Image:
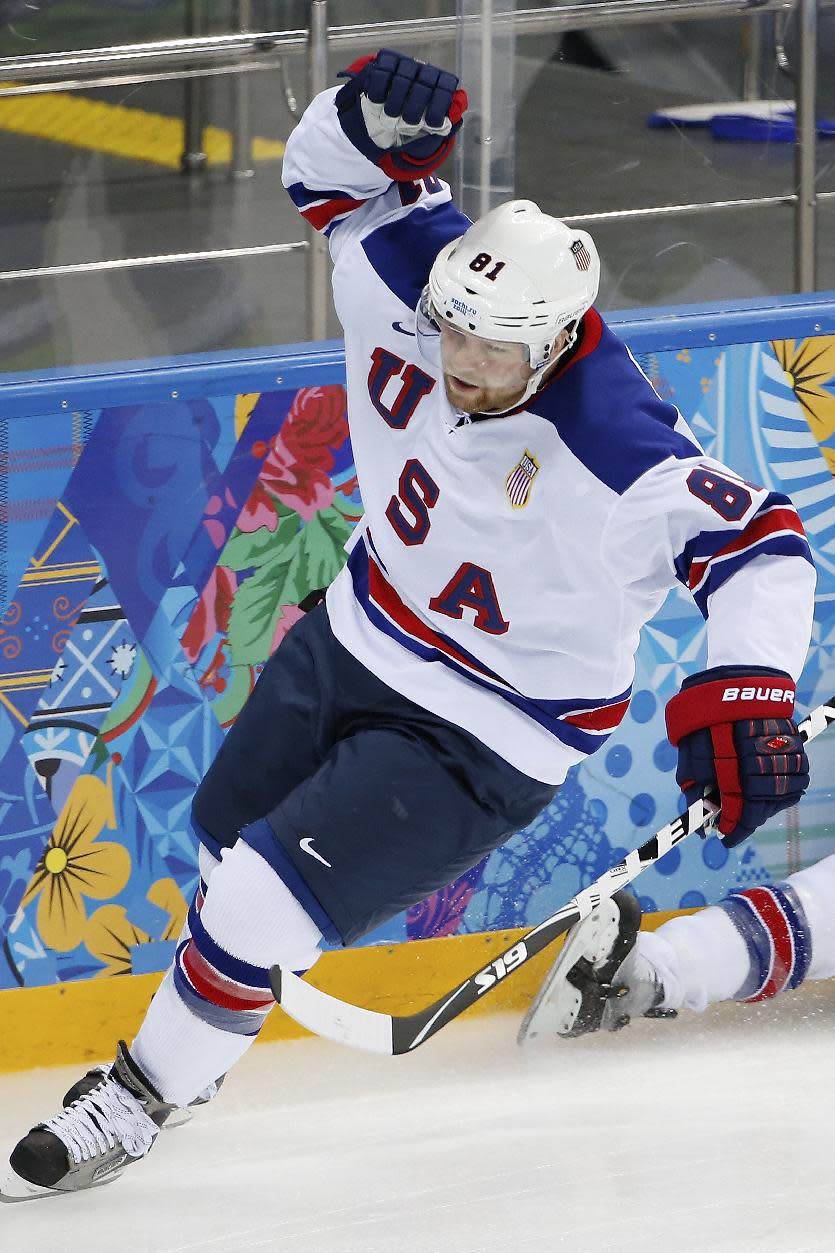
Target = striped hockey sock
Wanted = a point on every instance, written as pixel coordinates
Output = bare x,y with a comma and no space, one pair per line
773,924
215,997
222,990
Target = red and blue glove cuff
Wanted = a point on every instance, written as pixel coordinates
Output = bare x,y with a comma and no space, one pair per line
422,156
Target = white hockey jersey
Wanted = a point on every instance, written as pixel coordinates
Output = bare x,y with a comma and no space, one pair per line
505,566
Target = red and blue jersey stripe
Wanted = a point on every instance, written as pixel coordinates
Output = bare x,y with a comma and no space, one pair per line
581,723
323,209
712,557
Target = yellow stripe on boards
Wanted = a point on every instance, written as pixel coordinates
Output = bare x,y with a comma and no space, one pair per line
49,575
80,1022
116,130
26,684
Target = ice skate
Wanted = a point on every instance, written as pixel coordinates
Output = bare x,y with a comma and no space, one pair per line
598,980
92,1140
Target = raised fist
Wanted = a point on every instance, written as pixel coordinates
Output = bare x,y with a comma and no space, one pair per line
401,113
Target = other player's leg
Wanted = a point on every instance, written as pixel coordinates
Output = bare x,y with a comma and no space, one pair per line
754,944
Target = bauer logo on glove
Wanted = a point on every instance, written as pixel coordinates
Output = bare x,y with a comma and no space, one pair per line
759,693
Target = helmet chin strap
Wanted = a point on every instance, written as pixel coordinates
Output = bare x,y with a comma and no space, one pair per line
535,381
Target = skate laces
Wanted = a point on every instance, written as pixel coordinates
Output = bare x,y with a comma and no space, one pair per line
106,1116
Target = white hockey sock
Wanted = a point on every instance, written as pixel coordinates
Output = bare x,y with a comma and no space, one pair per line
213,1001
815,887
178,1052
699,958
206,863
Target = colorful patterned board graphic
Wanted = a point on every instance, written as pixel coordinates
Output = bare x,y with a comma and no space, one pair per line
151,558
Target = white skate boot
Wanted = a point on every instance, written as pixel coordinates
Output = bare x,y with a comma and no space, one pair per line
90,1141
598,980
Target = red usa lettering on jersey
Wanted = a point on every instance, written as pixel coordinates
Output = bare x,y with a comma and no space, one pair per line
759,693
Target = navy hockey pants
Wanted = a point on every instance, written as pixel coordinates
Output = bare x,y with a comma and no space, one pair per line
363,802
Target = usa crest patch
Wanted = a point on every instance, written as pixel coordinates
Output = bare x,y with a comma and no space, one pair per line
520,480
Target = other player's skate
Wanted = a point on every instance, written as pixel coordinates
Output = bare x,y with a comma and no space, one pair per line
598,980
90,1141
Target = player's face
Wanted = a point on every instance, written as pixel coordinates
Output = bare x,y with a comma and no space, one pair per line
482,374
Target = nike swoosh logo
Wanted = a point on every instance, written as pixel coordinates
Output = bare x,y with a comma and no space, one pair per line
395,326
306,845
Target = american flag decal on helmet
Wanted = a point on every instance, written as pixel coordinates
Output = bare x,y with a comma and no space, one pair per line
518,483
582,256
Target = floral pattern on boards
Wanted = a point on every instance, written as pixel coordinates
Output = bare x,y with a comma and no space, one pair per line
441,913
190,556
112,938
77,865
280,499
297,466
288,539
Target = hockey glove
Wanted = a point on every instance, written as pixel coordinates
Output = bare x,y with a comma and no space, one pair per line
735,733
400,113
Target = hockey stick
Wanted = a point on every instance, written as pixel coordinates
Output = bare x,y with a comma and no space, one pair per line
338,1020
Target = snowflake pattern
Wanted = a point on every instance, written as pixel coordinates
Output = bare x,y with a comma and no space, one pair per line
121,659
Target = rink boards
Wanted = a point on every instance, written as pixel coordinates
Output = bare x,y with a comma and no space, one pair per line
162,521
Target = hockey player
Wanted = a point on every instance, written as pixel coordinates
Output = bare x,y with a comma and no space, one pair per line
754,944
529,501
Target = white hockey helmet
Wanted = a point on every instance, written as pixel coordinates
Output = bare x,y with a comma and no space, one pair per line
517,275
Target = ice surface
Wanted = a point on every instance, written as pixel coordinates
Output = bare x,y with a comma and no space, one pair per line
714,1132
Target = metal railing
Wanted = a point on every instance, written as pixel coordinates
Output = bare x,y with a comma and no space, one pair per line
249,51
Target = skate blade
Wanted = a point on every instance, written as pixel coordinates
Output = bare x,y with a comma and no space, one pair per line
14,1188
556,1010
537,1018
178,1119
